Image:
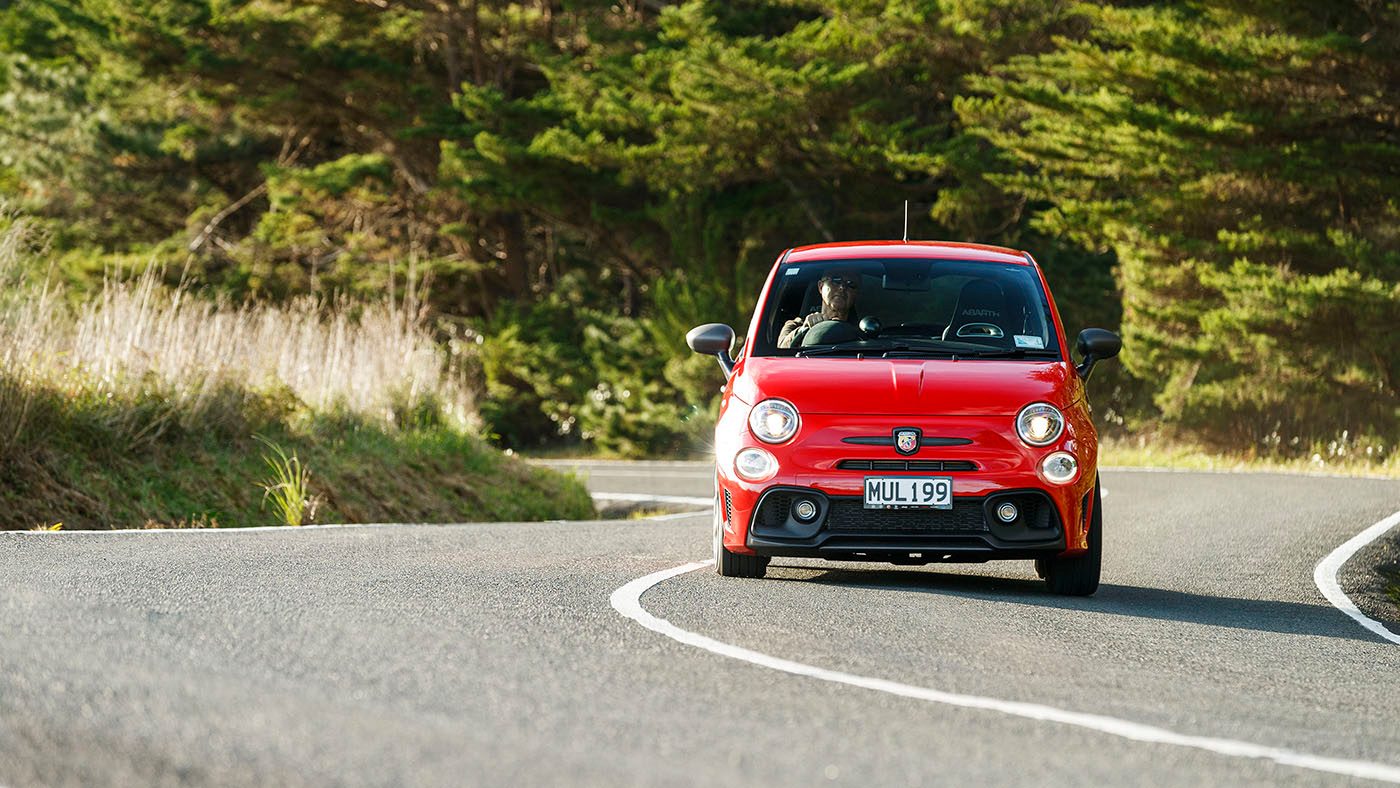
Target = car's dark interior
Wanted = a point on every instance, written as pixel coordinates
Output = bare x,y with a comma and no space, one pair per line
968,304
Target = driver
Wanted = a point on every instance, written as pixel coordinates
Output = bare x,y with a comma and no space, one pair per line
838,290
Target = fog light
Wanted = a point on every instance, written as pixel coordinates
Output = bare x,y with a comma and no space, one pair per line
1060,467
805,510
1007,512
755,464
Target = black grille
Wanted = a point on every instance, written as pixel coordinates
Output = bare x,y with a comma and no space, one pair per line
849,516
774,511
906,465
728,508
1036,509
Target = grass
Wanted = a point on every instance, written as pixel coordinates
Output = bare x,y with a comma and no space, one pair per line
360,471
138,406
1337,457
287,489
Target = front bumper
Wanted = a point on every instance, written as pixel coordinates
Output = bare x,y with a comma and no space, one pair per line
830,459
844,530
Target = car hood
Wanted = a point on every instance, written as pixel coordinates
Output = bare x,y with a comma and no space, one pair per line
898,387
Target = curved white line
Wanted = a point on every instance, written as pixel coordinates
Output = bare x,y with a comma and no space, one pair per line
233,529
252,529
686,500
627,600
1325,576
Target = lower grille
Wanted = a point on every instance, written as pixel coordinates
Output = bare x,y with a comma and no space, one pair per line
1036,510
906,465
774,511
1037,517
728,508
849,516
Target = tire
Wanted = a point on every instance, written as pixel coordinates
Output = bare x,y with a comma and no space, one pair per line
1078,575
734,564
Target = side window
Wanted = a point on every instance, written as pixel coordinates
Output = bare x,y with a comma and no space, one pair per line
792,294
1030,318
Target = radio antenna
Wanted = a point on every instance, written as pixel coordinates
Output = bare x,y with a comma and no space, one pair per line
906,221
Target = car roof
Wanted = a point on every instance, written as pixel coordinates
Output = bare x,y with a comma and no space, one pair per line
946,250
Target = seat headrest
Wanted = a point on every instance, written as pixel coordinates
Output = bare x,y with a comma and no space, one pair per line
980,301
980,313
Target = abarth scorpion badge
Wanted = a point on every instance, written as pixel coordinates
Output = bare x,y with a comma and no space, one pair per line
906,441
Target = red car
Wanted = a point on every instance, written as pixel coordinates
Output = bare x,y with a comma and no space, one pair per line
907,402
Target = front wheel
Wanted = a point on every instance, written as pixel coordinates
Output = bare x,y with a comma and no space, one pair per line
1078,575
734,564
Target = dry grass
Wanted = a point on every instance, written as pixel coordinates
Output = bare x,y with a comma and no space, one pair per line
203,361
138,403
1336,458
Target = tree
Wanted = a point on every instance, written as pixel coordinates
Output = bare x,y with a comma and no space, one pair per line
285,145
1241,159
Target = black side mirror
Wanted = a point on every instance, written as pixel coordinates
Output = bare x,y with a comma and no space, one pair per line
1095,345
713,339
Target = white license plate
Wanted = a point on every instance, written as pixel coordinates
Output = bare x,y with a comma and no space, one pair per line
908,492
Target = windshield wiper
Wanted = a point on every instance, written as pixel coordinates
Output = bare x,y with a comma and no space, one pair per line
850,349
916,349
907,352
1019,352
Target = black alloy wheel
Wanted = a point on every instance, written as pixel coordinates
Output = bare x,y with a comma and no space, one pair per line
734,564
1078,575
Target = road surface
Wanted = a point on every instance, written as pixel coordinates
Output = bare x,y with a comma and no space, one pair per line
493,653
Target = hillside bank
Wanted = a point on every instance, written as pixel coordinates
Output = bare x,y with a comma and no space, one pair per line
141,405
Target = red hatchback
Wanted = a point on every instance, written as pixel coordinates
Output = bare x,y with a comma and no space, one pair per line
910,403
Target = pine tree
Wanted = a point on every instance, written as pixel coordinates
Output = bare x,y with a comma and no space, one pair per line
1242,160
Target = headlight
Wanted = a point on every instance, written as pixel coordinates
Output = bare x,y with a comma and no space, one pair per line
755,464
1060,467
1040,424
773,421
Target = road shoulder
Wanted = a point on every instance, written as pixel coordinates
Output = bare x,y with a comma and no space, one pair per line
1369,574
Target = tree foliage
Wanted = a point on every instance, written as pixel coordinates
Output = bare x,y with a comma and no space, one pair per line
581,181
1242,161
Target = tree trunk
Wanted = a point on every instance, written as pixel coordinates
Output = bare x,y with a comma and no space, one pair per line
516,265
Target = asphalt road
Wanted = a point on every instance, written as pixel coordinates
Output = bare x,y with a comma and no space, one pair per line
489,654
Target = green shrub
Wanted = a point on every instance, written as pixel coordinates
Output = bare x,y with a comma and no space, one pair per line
561,374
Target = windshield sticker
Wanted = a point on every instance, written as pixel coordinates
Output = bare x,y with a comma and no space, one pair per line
791,272
1023,340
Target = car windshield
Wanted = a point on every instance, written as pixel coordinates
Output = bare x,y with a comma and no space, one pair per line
907,308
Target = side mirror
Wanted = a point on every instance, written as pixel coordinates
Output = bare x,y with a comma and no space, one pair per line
713,339
1095,345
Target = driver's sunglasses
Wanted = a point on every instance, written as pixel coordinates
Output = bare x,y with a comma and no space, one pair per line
841,281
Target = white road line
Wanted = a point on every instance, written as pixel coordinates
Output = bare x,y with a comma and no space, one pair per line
704,473
1325,576
697,464
228,530
335,526
688,500
675,516
627,600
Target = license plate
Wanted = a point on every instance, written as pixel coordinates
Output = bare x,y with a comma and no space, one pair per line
908,492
